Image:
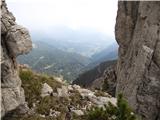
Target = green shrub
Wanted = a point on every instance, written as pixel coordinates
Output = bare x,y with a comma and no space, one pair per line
105,85
31,85
124,112
97,114
110,112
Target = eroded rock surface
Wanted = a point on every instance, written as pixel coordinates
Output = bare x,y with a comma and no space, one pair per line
108,81
138,69
15,40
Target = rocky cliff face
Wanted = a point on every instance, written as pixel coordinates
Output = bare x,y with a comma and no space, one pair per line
107,82
138,69
15,40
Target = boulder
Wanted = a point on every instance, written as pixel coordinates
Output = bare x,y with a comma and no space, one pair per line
70,88
100,101
46,90
18,40
78,112
63,92
76,86
85,92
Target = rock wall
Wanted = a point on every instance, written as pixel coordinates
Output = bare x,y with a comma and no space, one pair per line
107,82
137,32
15,40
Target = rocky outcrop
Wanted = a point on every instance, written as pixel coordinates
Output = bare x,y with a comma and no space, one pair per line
107,82
138,69
46,90
15,40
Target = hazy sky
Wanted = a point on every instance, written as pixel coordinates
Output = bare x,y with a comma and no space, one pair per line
76,14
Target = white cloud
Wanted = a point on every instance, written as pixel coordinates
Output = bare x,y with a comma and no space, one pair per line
98,14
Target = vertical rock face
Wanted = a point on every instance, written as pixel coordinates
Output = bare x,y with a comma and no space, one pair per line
138,69
15,40
107,82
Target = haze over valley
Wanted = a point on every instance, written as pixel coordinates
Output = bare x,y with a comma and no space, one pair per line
80,60
67,58
70,38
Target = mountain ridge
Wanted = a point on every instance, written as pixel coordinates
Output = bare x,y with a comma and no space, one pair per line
87,78
48,59
85,42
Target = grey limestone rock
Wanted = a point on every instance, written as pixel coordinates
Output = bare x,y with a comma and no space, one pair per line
46,90
138,69
15,40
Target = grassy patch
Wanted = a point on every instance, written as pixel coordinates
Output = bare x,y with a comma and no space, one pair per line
32,84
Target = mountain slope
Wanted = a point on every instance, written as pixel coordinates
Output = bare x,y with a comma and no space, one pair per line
51,98
107,54
48,59
87,78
